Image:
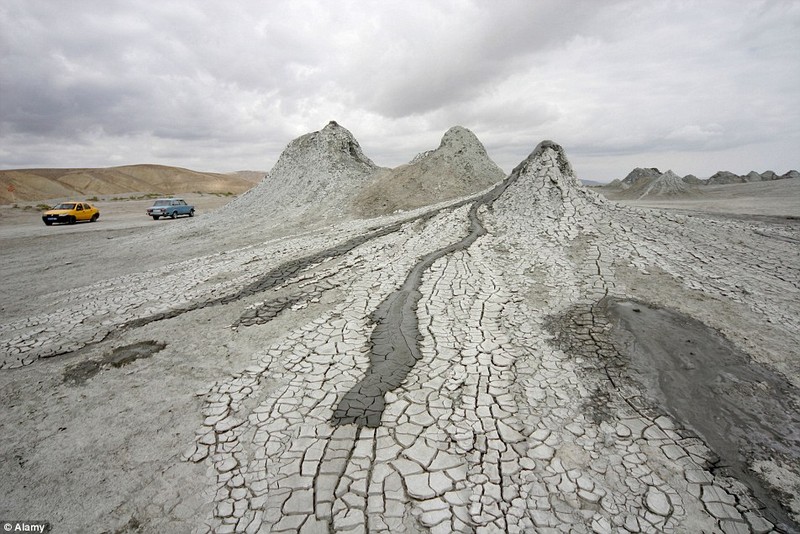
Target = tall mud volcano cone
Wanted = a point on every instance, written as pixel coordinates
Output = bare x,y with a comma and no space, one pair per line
544,191
314,179
459,167
544,179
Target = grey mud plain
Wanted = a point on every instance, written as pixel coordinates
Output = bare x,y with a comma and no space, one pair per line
575,366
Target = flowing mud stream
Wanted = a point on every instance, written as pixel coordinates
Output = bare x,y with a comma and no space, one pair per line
743,411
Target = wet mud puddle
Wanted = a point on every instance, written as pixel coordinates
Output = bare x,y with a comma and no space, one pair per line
742,410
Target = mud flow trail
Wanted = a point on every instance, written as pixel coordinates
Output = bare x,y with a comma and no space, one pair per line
743,411
394,342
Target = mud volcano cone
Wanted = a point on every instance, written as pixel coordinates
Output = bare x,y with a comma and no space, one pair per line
667,184
544,185
459,167
315,177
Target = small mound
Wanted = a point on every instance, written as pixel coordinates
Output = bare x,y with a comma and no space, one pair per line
724,177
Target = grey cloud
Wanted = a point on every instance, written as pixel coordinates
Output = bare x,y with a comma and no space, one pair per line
429,60
109,79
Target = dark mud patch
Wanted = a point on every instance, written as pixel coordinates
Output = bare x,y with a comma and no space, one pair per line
744,411
79,373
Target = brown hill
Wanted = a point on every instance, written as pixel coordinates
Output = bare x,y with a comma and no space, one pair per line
25,185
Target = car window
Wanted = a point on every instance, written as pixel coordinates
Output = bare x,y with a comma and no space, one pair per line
181,203
87,207
65,206
79,208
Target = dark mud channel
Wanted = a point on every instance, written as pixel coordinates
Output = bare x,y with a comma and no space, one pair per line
743,411
394,343
395,340
79,373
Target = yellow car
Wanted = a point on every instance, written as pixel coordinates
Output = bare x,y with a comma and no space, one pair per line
70,213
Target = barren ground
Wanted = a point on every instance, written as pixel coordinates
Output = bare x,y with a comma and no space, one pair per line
159,381
774,198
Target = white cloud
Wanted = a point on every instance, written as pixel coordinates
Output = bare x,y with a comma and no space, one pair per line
224,86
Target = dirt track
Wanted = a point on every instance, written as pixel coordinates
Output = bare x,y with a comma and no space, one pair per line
83,253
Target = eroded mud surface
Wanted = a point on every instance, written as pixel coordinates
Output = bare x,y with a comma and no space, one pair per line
521,412
743,411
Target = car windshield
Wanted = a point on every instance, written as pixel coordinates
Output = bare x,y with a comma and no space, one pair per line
65,206
161,203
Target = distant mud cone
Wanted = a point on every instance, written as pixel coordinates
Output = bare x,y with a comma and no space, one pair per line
667,184
639,175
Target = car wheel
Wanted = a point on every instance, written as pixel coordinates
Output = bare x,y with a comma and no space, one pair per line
72,220
172,215
94,217
155,217
191,213
49,223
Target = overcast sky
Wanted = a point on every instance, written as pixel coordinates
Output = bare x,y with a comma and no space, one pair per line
222,86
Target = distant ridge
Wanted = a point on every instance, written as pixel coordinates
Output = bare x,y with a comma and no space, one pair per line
726,177
639,178
25,185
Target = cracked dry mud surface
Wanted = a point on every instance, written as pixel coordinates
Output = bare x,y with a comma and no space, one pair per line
527,407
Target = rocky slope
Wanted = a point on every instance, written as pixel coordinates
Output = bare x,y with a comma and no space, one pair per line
460,166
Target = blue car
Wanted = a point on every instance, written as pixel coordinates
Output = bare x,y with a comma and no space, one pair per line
170,207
